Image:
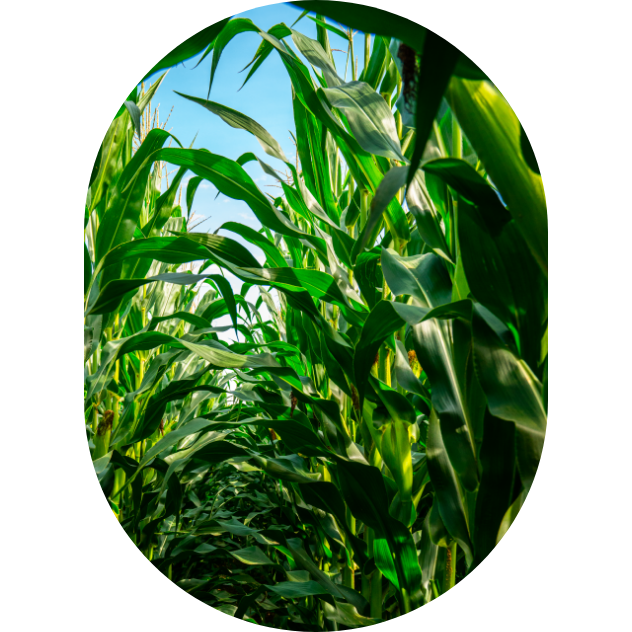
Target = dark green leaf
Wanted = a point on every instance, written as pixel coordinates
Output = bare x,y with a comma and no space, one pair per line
438,61
87,269
513,393
448,492
249,234
498,457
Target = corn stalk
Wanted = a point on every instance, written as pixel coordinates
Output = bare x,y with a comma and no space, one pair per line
365,430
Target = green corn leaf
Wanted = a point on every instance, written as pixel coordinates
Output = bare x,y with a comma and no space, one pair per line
284,469
135,114
429,560
368,20
448,493
231,180
228,249
110,297
87,269
438,62
315,55
346,614
399,408
230,29
192,187
372,509
427,218
369,276
494,131
164,249
164,206
294,590
395,450
169,440
252,555
194,320
473,188
504,277
371,121
109,161
442,348
378,63
498,463
381,323
438,532
320,285
527,152
93,176
326,497
423,277
513,393
265,48
190,47
325,25
241,121
298,437
123,213
392,182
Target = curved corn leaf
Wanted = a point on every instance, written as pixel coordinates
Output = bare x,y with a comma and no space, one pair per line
241,121
230,29
438,61
494,131
371,121
189,48
513,393
448,493
442,347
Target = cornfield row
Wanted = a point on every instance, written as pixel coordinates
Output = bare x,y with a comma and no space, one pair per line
366,429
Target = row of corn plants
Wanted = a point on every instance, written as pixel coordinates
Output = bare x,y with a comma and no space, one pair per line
369,436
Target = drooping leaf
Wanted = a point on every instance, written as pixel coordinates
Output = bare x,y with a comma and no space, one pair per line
252,555
494,495
513,393
257,239
442,348
503,276
230,29
241,121
189,48
438,62
123,213
448,493
494,131
371,121
371,507
427,218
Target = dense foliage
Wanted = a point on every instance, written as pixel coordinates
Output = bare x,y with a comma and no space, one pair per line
366,439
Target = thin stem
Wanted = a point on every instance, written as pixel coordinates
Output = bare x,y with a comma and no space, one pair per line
375,600
457,139
450,567
364,208
353,59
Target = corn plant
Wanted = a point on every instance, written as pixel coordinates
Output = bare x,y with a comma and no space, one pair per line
366,429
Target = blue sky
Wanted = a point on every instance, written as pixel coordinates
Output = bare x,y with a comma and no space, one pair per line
267,98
